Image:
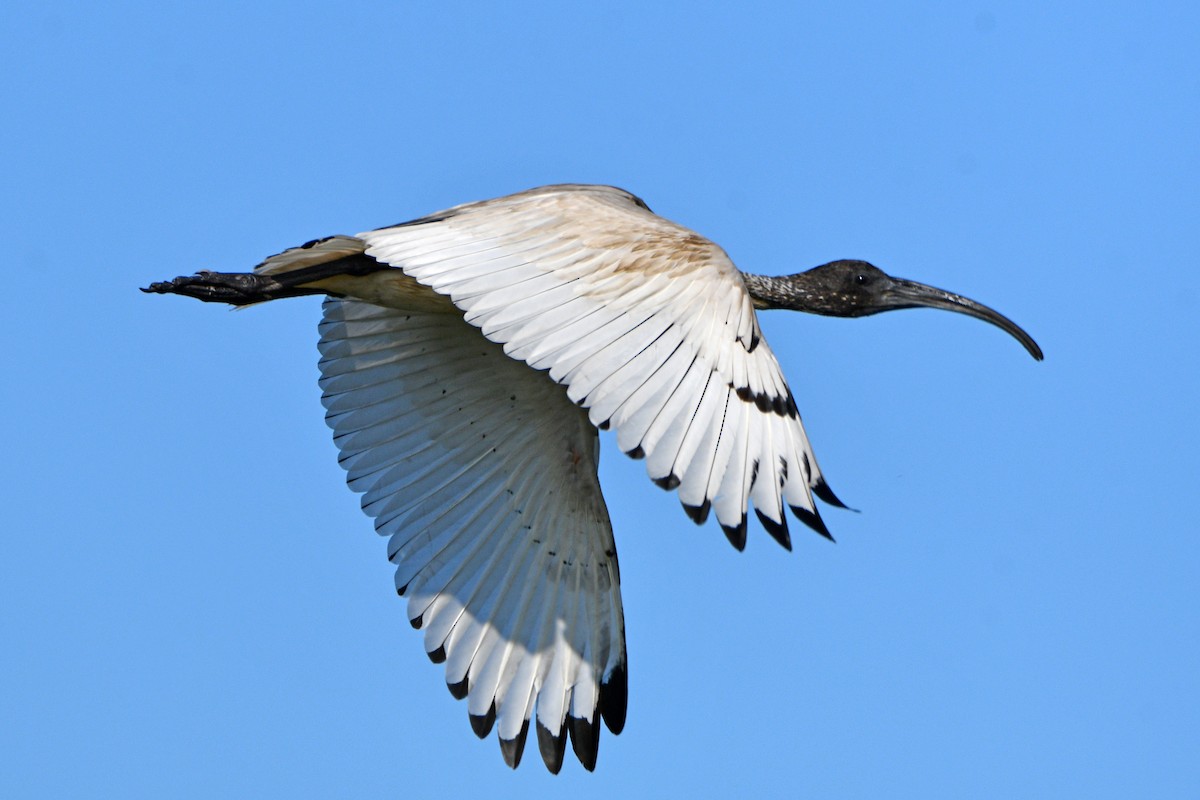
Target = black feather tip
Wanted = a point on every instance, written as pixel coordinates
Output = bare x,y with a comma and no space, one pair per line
552,746
813,520
482,724
512,749
736,534
778,530
823,491
614,698
669,483
585,740
698,514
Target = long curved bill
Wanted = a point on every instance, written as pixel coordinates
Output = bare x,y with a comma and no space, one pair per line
910,294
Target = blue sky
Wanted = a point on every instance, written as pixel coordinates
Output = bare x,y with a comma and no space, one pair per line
191,601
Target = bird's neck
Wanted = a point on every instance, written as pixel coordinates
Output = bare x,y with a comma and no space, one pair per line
793,292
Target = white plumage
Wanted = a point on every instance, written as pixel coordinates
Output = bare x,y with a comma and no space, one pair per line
483,476
482,471
468,358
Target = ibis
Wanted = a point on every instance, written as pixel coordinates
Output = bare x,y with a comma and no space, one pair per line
468,359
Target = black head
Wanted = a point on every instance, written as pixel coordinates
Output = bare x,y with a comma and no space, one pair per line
851,288
847,288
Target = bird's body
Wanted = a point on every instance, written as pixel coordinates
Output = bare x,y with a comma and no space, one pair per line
468,358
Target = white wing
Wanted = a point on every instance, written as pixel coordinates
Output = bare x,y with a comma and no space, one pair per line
483,475
647,324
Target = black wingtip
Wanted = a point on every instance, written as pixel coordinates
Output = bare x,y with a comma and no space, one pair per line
823,491
585,741
637,453
698,514
669,483
459,690
736,534
552,746
813,520
438,656
778,530
614,698
417,621
482,723
512,749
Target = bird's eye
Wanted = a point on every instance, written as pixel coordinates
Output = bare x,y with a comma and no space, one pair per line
861,278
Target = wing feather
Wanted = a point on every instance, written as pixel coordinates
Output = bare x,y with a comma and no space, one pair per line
481,472
482,475
648,326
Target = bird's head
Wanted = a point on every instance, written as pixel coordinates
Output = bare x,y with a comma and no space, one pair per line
852,288
847,288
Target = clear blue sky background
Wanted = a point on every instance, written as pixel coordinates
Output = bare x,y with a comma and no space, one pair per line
191,602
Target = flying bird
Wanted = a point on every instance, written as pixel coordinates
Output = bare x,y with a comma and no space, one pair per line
468,359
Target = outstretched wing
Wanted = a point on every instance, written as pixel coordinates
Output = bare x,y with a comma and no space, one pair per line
483,475
647,324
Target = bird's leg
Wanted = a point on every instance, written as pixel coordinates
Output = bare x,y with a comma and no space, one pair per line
244,288
235,288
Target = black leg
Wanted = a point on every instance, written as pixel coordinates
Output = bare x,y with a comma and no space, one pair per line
235,288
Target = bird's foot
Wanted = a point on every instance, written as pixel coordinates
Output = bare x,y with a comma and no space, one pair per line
235,288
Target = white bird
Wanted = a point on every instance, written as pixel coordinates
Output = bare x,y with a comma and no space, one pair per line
468,358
